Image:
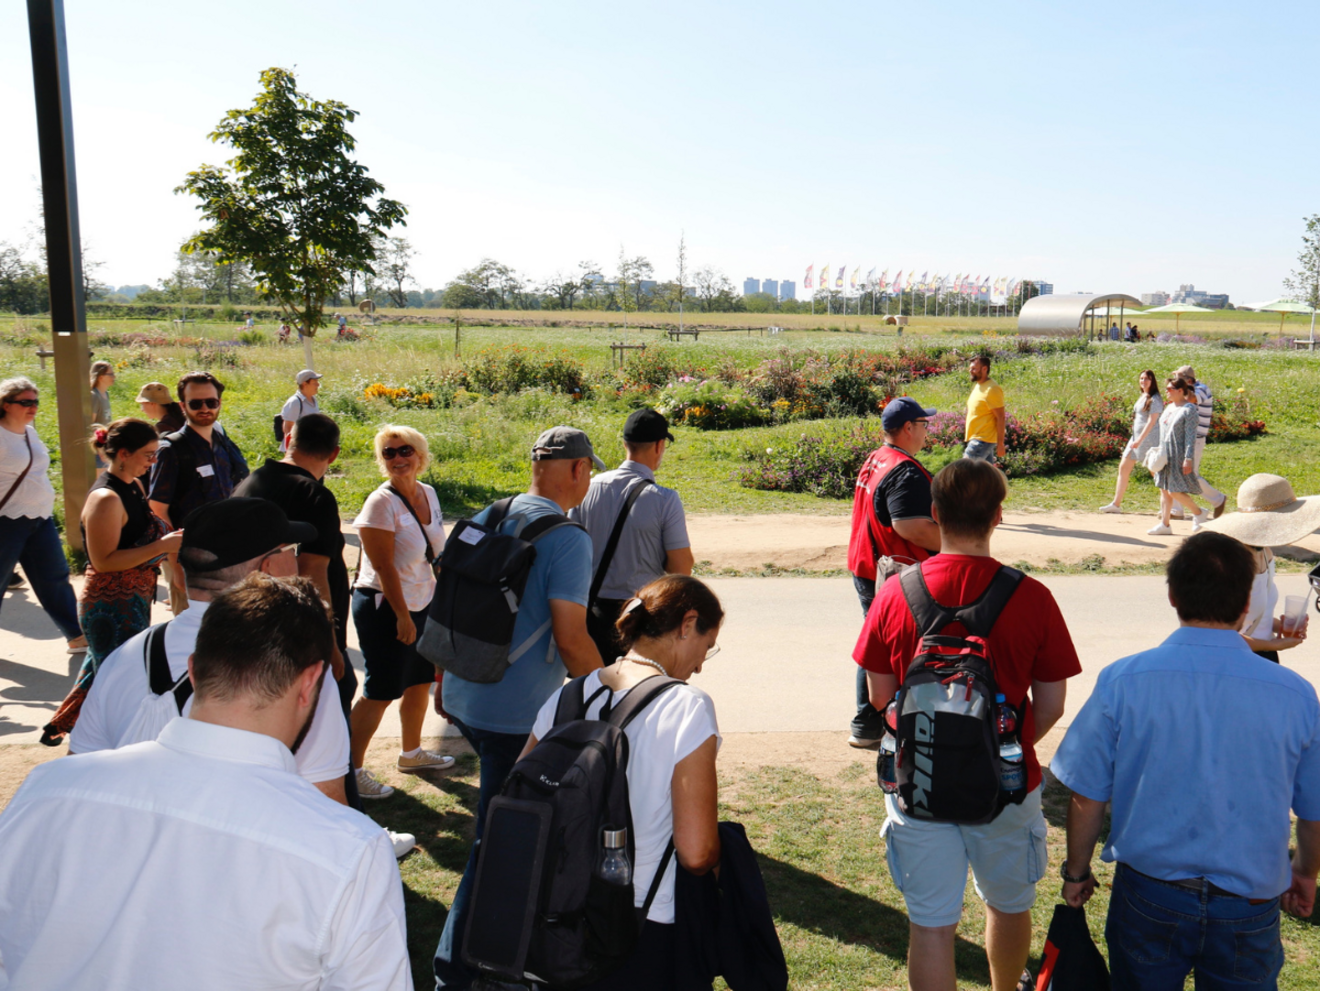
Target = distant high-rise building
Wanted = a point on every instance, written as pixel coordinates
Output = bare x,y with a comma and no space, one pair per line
771,286
1188,293
1155,298
1046,288
787,290
751,286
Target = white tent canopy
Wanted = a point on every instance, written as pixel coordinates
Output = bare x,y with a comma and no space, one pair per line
1067,311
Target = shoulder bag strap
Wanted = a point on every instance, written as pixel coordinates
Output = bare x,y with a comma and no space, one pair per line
158,669
655,882
22,474
607,557
430,554
930,616
981,615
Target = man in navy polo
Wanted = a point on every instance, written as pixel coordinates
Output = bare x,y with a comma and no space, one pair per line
1202,748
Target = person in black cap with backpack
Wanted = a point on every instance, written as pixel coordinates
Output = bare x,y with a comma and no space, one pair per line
638,528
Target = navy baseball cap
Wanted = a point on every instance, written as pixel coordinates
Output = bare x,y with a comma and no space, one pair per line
903,410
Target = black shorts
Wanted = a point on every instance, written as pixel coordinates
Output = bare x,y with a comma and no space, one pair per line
391,664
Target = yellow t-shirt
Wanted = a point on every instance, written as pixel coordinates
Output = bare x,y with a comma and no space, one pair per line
986,397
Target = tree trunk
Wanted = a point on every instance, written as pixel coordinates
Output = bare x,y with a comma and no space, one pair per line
307,351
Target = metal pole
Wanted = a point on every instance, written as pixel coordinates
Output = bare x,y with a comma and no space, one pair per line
68,317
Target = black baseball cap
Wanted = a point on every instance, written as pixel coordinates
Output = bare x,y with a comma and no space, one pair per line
645,426
238,530
903,410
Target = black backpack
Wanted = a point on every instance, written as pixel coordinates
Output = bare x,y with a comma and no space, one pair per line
947,759
469,625
539,912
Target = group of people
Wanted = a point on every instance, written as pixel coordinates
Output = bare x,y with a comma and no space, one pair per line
1129,333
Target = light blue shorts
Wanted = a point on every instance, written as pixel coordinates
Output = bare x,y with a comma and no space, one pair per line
981,450
928,861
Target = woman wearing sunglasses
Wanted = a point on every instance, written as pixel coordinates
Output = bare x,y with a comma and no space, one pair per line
125,543
402,533
27,506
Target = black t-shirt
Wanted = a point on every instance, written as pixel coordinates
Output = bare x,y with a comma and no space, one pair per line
305,500
903,494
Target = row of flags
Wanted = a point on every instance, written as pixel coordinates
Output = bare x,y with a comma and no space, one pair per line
997,288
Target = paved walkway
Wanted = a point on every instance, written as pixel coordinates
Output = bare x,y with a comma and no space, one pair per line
785,664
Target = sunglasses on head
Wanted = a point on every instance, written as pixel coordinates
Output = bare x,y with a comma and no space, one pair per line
208,403
390,453
26,403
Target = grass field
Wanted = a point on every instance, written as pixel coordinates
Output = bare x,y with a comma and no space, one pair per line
479,451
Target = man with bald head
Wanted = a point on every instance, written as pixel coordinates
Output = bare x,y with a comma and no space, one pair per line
550,639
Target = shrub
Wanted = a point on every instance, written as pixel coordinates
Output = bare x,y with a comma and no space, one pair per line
710,405
513,368
1232,420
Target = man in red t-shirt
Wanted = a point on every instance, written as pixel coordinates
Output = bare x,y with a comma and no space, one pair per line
1032,654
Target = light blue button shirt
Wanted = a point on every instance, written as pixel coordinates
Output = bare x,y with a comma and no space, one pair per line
1203,748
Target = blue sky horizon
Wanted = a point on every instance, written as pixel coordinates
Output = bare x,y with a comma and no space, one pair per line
1130,148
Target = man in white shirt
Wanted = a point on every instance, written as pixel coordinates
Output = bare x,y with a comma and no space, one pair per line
202,859
301,403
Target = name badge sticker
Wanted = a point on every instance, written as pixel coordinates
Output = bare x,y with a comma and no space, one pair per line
206,471
470,536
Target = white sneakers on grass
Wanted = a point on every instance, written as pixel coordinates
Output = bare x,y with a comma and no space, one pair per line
369,787
403,843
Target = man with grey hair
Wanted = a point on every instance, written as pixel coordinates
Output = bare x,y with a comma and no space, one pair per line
1205,405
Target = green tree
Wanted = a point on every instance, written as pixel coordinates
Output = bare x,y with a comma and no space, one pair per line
292,202
494,283
1304,283
394,255
714,291
23,284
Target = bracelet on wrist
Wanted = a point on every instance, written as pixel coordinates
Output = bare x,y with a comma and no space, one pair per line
1079,879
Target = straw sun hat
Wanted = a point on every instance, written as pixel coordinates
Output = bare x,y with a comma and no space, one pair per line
1268,513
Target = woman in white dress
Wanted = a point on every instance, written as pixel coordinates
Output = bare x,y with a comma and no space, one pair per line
1145,436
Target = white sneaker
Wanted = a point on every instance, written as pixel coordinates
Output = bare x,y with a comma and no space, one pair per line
1113,507
1199,520
369,787
403,843
1160,530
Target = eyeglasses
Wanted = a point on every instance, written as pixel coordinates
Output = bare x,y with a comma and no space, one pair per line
714,649
208,403
390,453
25,403
282,549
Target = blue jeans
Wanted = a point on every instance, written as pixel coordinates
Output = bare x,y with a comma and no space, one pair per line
866,723
1158,933
496,753
35,544
981,450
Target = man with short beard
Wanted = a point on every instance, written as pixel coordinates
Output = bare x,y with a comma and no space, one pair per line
203,852
985,414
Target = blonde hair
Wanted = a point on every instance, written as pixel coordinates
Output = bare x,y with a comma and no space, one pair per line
100,368
409,436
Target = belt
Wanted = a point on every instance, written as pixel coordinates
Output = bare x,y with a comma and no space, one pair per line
1197,884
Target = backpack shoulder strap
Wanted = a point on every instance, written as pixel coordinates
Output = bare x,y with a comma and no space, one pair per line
499,511
159,676
641,695
980,616
572,701
607,556
930,616
542,525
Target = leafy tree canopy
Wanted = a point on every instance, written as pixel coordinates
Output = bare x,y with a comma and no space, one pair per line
291,203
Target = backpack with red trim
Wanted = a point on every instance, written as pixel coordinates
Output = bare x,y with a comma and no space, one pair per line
947,759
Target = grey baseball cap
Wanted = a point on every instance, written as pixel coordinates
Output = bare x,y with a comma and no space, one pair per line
564,444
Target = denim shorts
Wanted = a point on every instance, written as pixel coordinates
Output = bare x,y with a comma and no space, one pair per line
928,861
391,664
981,450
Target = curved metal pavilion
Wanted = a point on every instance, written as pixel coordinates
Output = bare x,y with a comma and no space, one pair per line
1069,312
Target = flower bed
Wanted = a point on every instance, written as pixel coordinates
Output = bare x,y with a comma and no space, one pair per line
710,405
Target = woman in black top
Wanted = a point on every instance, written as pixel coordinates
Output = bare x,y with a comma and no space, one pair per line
125,542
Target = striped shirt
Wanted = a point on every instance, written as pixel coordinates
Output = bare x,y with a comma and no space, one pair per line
1205,404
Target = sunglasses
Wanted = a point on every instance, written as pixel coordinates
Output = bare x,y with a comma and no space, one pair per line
196,404
390,453
26,403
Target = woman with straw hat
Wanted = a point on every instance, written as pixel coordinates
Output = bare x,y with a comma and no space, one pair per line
1268,515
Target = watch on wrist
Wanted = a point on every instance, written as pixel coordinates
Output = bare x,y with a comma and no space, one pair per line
1063,869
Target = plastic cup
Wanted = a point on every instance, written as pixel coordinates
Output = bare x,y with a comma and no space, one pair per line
1294,611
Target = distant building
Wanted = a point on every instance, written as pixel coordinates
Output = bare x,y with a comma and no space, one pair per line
770,286
787,290
751,287
1046,288
1155,298
1198,297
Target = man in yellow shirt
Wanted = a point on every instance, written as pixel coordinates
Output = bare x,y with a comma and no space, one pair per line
985,414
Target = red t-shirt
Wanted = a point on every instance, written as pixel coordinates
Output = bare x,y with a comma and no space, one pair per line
1029,642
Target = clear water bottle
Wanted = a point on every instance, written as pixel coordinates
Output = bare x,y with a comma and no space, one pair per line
888,763
614,866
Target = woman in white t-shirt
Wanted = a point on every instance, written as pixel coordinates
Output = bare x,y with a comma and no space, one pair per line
671,627
402,533
27,511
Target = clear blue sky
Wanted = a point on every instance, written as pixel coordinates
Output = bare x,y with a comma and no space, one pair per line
1116,147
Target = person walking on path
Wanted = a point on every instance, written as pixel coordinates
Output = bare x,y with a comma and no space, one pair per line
1205,408
159,406
301,403
203,853
1177,479
891,528
1145,436
1269,515
402,532
103,376
1202,750
125,543
27,511
1033,657
550,634
654,539
985,414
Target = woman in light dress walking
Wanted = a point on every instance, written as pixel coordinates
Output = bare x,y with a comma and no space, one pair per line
1145,436
1177,480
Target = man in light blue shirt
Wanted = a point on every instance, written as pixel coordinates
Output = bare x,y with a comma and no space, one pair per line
552,614
1202,748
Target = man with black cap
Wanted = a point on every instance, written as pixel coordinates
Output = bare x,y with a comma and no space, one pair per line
549,638
224,542
652,537
891,526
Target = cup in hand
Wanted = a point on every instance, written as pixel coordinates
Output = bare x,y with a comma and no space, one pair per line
1294,611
